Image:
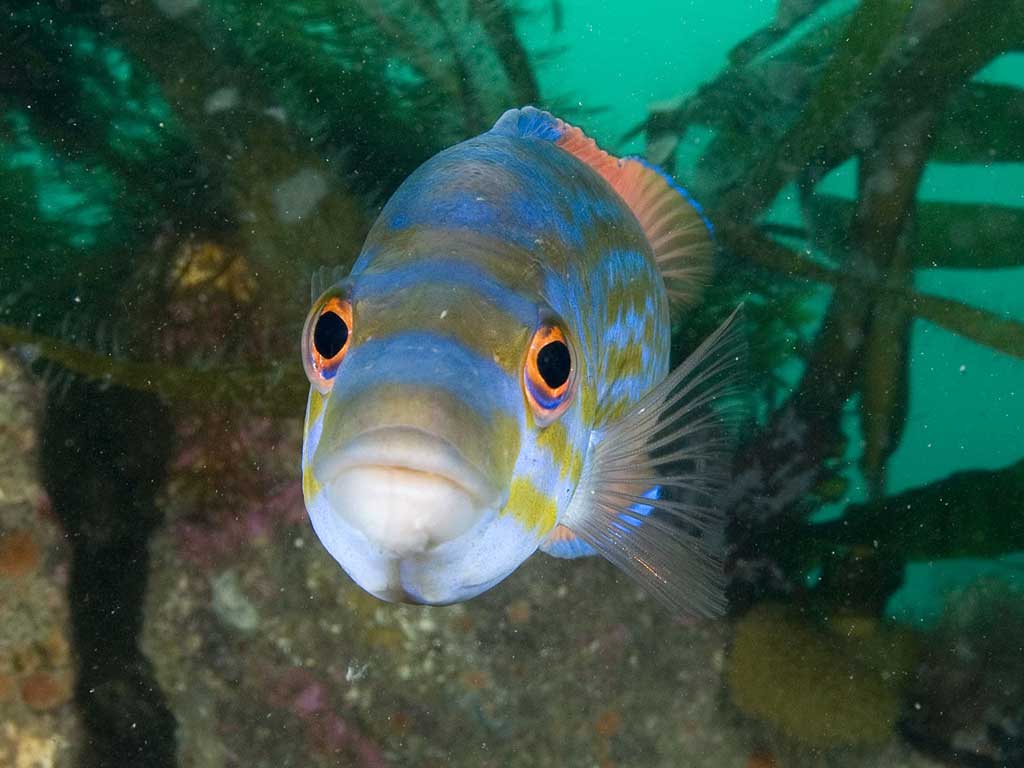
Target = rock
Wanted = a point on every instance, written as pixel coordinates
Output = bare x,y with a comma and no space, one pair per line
39,726
8,688
19,554
43,691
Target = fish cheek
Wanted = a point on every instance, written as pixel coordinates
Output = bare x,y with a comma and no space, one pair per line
507,441
312,429
315,407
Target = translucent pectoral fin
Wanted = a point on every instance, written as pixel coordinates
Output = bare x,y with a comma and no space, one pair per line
677,439
565,544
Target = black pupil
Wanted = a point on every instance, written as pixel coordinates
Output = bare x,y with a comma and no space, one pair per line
329,335
554,363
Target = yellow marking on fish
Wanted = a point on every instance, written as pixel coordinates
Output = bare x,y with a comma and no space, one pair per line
506,440
649,328
555,439
316,407
476,322
624,361
575,468
626,300
310,486
615,409
531,508
587,400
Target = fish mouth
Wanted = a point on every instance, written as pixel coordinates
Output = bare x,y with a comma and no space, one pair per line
406,490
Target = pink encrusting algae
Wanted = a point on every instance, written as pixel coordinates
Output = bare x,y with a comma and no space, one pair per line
326,729
237,485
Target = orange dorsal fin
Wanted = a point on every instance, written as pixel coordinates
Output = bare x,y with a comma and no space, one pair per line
677,229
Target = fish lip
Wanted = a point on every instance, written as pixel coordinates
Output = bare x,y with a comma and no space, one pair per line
408,449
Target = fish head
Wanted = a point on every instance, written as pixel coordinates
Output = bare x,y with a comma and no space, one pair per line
425,469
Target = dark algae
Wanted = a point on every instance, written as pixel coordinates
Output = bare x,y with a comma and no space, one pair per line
174,172
104,456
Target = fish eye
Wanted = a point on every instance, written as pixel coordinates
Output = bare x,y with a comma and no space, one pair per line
554,363
329,334
326,339
548,375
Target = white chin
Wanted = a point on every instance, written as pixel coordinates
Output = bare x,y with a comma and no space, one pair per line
403,512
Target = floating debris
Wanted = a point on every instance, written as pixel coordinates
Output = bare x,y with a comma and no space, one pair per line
231,605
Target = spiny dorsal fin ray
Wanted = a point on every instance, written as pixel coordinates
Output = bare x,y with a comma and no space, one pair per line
678,436
323,278
675,225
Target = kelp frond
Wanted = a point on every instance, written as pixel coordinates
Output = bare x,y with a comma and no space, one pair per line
275,389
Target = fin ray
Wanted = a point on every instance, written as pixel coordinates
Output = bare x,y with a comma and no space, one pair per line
323,278
680,436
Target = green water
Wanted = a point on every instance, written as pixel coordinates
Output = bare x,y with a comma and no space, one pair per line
173,171
621,61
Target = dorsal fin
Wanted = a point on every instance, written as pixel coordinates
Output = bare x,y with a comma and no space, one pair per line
323,278
676,227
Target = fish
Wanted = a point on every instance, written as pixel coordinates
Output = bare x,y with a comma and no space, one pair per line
491,378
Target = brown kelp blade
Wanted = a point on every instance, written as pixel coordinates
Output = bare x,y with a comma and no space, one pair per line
1003,334
272,389
851,74
982,125
946,235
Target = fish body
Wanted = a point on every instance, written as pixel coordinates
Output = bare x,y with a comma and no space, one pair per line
491,378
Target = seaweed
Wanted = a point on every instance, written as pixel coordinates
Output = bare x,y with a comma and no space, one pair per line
890,86
171,173
267,133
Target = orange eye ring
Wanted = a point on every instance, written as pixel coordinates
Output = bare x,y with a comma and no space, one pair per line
326,339
549,375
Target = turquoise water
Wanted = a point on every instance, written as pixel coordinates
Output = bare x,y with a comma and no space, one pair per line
172,172
621,67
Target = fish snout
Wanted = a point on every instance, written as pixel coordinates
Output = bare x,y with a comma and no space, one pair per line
418,441
407,491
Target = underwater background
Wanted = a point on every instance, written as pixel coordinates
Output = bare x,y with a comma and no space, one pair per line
173,171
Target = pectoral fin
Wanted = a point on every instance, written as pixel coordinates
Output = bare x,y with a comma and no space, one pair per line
678,438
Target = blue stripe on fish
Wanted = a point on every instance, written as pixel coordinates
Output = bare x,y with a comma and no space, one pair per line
437,270
622,266
506,188
431,361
